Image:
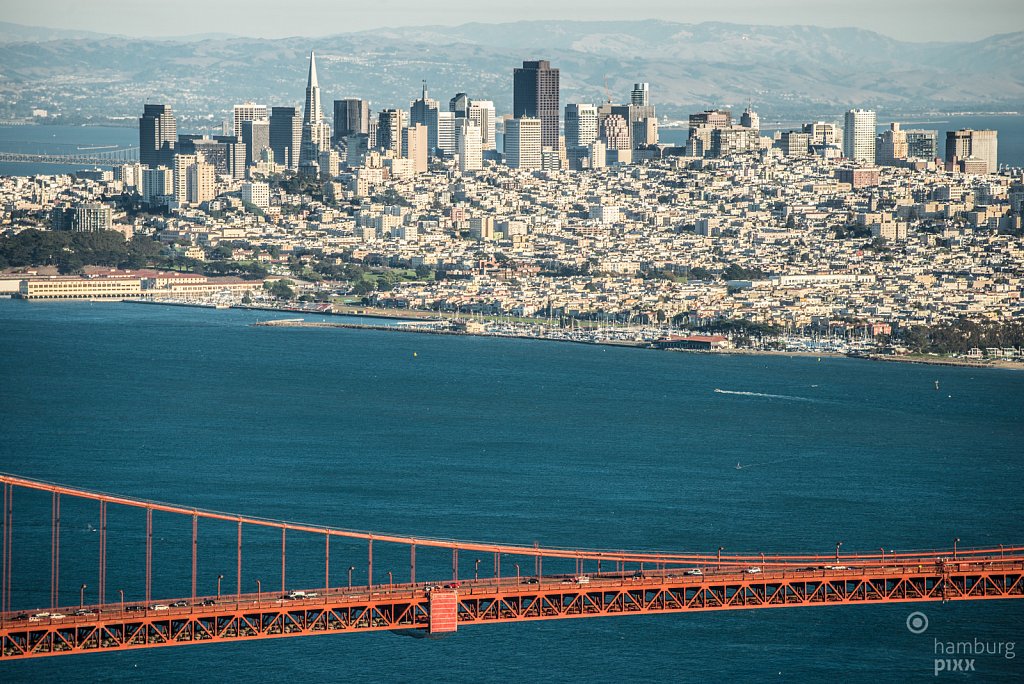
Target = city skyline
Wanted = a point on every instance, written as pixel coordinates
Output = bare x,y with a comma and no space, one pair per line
913,21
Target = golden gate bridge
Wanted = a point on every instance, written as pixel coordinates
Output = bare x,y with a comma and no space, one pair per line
602,583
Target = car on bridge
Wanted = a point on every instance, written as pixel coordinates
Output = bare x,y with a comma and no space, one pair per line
695,572
753,570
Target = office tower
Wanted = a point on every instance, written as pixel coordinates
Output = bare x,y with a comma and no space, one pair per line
922,144
615,133
730,140
481,113
315,132
822,133
967,143
414,146
580,125
701,126
859,135
371,133
891,146
256,138
248,111
329,164
598,154
470,146
460,105
641,95
351,117
158,134
535,95
234,150
424,112
256,194
523,138
285,135
390,123
750,119
157,185
446,132
794,143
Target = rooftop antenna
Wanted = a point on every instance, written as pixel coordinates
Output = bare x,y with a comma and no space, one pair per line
607,94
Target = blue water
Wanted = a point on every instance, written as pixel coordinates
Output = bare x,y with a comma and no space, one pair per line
505,440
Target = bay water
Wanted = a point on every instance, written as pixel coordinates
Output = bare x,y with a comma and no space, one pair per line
508,441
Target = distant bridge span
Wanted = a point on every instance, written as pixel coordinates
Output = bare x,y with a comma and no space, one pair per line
110,158
603,583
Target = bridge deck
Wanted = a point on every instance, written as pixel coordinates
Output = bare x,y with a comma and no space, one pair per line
113,627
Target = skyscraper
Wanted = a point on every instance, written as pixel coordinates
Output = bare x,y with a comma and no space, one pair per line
256,137
523,144
859,135
536,94
390,123
922,144
481,113
891,146
351,116
315,133
469,145
285,135
580,125
641,94
424,112
460,105
248,111
158,134
414,147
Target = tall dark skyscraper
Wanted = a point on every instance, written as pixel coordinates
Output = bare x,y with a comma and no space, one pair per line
351,117
285,135
158,133
535,94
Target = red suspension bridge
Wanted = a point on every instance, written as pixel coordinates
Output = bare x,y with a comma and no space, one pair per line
602,583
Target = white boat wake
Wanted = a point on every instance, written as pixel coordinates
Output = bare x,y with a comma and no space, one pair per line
762,394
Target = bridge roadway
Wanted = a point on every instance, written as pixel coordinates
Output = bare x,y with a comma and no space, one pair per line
432,608
111,158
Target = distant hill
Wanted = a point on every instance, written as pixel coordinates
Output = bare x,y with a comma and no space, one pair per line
785,70
20,33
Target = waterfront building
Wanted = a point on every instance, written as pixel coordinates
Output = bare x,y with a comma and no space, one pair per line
248,111
158,134
523,146
859,135
285,135
536,95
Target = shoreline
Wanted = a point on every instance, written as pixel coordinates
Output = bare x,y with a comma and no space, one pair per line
413,315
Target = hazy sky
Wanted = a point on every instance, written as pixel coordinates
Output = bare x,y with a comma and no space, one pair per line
916,20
